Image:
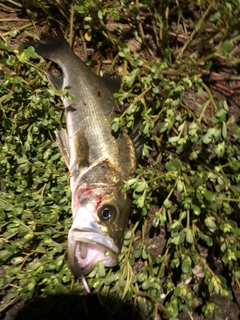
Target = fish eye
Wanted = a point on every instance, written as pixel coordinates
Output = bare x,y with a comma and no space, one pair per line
107,212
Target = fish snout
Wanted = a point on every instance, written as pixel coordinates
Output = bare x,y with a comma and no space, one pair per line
87,245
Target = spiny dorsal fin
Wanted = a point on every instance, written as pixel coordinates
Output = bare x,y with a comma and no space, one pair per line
137,140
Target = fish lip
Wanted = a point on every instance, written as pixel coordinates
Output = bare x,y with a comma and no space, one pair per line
94,238
96,243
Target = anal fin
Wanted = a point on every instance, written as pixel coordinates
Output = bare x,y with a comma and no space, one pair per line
113,82
62,141
56,82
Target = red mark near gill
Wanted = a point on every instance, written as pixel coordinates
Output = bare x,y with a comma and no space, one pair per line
99,93
89,191
98,203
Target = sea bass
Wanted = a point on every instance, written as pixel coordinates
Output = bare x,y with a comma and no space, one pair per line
98,160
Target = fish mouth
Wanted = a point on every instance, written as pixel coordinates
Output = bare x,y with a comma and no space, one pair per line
87,246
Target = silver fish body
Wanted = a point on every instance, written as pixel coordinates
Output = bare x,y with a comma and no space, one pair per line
98,160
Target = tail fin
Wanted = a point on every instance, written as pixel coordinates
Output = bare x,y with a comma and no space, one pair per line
49,49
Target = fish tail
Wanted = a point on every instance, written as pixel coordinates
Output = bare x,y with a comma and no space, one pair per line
52,47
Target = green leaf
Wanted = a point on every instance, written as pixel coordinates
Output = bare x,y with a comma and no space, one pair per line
132,182
122,282
5,254
174,139
177,292
210,223
224,130
180,186
141,277
115,124
27,54
144,254
174,165
209,196
227,46
3,204
141,200
141,186
112,278
236,231
189,236
185,266
101,269
100,15
138,252
220,149
207,138
155,221
142,307
167,203
128,235
179,239
34,266
31,285
196,210
21,160
146,285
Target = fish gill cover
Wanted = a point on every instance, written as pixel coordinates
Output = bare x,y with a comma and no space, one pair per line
179,62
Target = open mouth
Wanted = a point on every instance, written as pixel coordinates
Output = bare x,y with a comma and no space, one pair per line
86,248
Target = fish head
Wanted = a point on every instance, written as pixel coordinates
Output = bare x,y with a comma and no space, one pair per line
100,217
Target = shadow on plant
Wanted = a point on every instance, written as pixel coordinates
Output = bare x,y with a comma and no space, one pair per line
72,306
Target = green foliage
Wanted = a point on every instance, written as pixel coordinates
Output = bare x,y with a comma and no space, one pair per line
188,175
34,195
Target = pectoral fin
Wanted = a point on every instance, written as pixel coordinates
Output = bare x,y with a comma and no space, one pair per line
75,151
79,150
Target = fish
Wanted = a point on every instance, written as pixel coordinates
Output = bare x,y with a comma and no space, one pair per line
98,159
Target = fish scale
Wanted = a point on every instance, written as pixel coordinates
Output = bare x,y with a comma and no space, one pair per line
99,161
98,133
